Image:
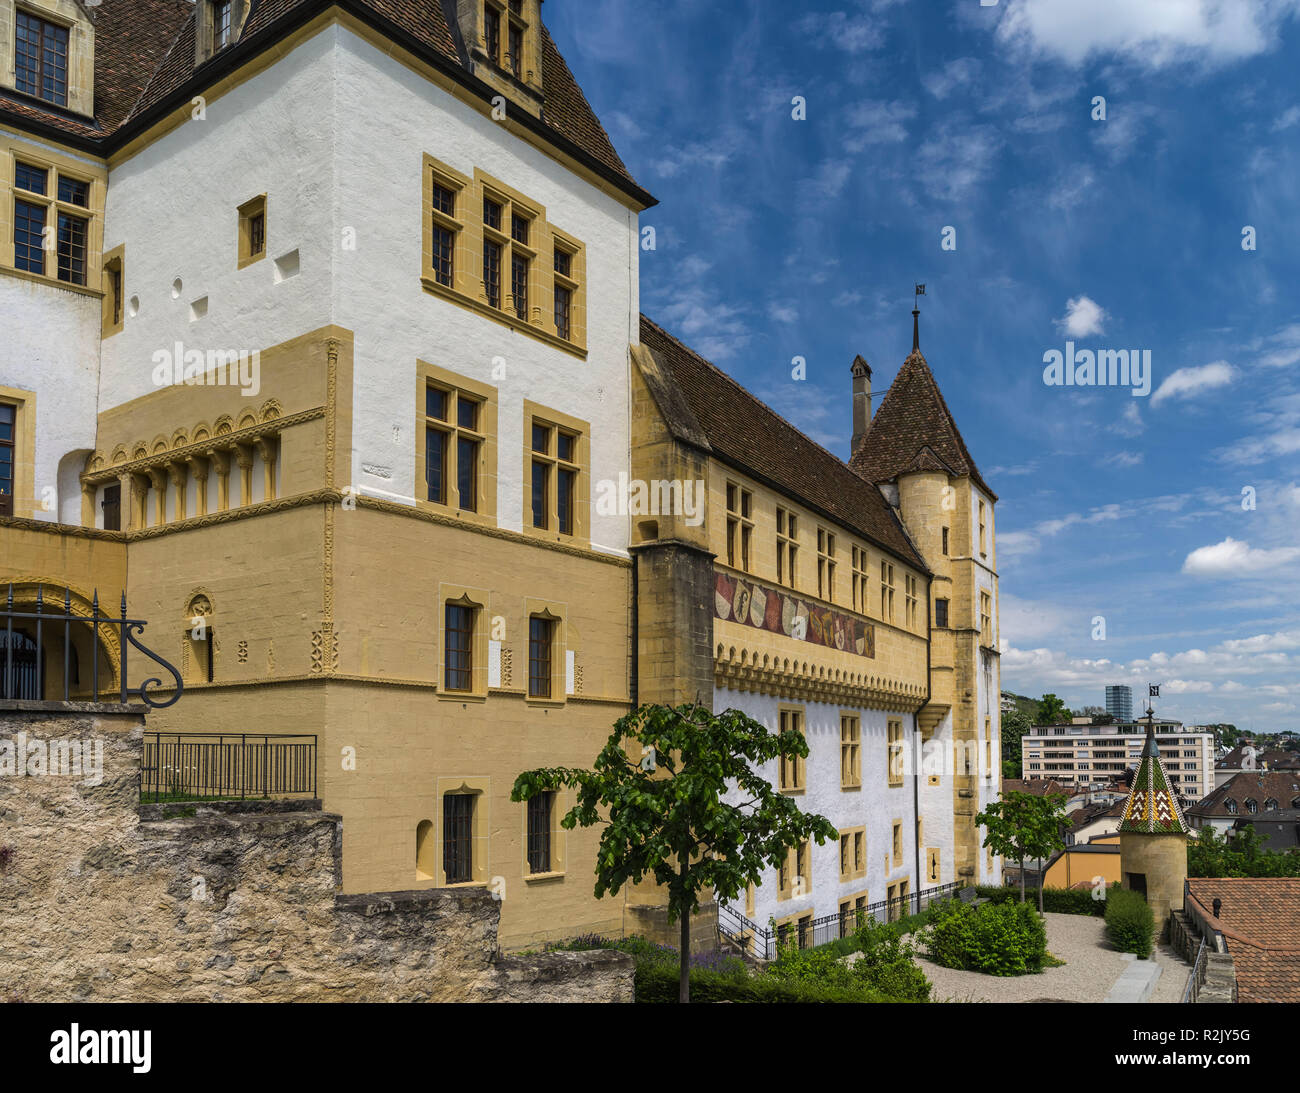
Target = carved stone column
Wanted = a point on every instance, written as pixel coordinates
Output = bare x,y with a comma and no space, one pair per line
179,475
158,479
244,457
199,466
268,448
220,462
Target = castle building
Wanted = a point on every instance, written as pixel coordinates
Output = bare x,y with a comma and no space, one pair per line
855,604
320,339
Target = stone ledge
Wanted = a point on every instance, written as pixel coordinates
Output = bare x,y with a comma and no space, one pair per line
151,811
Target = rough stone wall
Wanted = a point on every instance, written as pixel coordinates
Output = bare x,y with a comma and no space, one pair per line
104,900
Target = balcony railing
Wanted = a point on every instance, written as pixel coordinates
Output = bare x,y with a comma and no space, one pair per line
25,658
226,766
761,943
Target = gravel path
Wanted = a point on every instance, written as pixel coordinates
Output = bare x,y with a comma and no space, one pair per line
1091,969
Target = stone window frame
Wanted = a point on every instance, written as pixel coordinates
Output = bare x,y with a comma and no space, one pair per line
205,44
850,750
114,262
790,870
247,213
469,234
826,564
855,838
894,744
792,773
897,844
559,841
478,599
536,413
431,375
797,923
861,566
986,618
887,588
80,94
853,905
911,597
787,547
24,448
481,838
740,526
54,163
558,613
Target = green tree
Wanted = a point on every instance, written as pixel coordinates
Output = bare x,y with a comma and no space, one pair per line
1052,711
1024,825
660,781
1241,855
1014,726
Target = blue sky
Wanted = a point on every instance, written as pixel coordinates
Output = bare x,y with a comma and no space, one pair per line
779,238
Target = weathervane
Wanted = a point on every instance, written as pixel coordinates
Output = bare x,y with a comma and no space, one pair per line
1153,691
916,318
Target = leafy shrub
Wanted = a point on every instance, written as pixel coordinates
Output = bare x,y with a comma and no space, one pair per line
884,965
1061,901
1130,925
655,983
994,938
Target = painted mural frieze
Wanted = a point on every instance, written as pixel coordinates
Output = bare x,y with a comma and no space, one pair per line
763,608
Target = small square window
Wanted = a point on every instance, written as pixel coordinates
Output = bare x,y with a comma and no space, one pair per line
519,229
74,191
29,178
467,413
492,213
541,438
435,403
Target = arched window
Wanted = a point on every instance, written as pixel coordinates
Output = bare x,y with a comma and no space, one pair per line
22,669
1231,806
1270,805
1252,805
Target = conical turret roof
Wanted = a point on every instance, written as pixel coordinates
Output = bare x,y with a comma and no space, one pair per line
1152,806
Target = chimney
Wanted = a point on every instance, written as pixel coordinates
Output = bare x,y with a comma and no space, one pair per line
861,402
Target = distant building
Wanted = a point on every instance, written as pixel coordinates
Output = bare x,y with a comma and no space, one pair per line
1247,757
1078,756
1265,794
1119,701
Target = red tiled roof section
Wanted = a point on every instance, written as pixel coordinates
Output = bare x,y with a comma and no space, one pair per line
914,430
1039,787
1260,918
748,433
144,51
567,111
131,36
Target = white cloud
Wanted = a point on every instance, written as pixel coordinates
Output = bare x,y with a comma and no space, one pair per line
782,313
953,75
877,122
1083,317
1124,459
1283,639
955,159
1152,34
851,33
1284,345
1233,557
1289,117
1187,382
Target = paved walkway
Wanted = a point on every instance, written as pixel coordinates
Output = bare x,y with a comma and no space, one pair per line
1092,970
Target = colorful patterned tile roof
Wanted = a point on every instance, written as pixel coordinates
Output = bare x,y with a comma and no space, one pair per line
1152,807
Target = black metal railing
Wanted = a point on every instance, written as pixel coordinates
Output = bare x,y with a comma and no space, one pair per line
23,667
761,942
226,766
1194,981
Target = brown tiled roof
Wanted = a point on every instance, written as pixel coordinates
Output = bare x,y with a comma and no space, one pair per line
914,430
144,53
1275,758
1039,787
1260,920
750,435
1283,786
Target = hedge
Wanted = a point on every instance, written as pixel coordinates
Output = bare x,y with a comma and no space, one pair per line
657,983
1130,925
1060,901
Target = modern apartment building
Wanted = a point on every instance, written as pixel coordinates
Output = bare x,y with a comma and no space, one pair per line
1119,701
1078,755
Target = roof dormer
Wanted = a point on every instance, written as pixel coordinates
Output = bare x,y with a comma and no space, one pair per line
503,39
47,51
218,25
